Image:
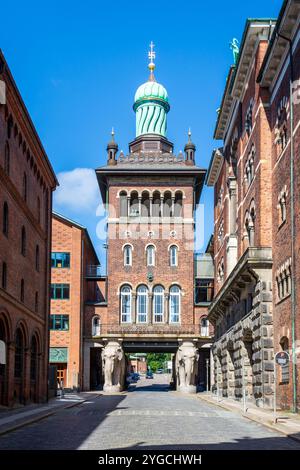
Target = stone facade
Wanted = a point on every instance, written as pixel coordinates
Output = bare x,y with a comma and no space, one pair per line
251,177
26,184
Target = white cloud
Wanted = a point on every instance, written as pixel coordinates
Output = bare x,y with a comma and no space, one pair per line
78,191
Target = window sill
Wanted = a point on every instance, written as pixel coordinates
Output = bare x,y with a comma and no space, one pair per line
202,304
283,299
281,224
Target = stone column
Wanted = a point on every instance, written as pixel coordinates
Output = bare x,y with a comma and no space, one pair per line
114,367
150,205
140,206
133,308
128,206
172,206
187,358
162,205
150,308
166,308
231,248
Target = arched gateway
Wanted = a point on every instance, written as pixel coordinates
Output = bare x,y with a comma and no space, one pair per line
151,195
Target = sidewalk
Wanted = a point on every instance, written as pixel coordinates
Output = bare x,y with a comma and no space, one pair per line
11,419
287,423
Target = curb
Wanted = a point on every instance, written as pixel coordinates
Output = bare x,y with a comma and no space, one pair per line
29,421
252,418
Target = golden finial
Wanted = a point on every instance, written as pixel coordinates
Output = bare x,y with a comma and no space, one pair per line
151,65
112,134
189,134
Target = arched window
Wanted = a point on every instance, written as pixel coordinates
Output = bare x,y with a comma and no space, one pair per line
126,304
142,304
22,291
174,304
24,187
38,204
37,257
5,219
178,204
158,304
134,204
150,255
33,358
7,159
96,326
145,204
19,354
127,255
156,205
23,241
123,204
4,276
167,204
204,327
173,255
36,302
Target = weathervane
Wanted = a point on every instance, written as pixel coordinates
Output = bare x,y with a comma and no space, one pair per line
151,57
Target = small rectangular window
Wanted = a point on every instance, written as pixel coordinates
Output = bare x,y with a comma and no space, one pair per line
60,291
60,260
59,322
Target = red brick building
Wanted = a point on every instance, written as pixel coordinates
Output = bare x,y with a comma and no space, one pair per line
26,184
253,251
76,287
151,195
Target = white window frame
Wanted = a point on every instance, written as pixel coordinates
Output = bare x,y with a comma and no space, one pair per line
150,260
139,294
204,329
177,294
173,249
126,316
155,295
125,255
96,329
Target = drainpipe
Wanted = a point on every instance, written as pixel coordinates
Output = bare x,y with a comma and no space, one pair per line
293,284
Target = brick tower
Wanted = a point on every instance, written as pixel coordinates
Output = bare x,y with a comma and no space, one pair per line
151,195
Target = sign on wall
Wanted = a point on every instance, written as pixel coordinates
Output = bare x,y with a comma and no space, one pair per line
58,355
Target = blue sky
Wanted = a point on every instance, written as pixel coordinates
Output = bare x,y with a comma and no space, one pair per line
78,64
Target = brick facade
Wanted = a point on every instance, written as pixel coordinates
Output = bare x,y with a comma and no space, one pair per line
84,280
252,310
26,184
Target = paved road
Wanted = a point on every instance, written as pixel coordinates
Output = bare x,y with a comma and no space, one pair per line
148,416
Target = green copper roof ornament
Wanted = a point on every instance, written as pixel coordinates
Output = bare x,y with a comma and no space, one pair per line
234,45
151,104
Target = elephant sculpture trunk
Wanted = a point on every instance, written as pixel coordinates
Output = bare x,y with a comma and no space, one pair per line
186,367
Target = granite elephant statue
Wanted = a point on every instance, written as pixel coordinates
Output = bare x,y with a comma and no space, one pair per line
186,364
113,364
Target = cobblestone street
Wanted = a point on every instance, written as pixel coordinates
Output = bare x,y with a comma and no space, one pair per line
148,416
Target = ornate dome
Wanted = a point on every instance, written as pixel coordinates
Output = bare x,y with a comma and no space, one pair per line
150,90
151,104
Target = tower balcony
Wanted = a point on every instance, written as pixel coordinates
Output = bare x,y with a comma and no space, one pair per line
94,272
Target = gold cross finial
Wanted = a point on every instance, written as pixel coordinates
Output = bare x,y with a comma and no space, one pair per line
151,57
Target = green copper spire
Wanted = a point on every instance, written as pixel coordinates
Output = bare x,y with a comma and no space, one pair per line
151,104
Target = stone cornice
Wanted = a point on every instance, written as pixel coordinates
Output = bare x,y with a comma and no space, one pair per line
253,258
214,167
